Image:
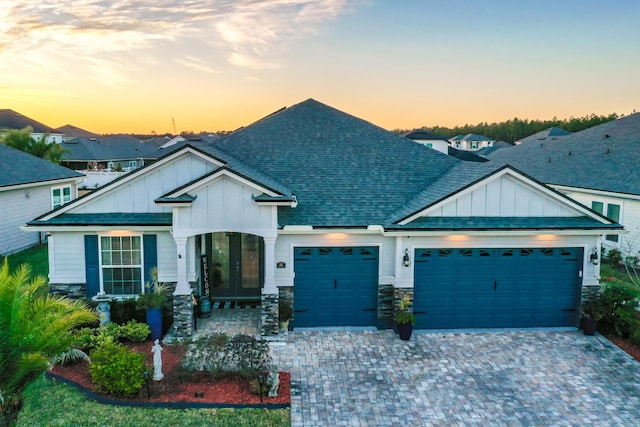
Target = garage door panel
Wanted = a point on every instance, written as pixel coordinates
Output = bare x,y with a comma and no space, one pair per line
522,287
335,286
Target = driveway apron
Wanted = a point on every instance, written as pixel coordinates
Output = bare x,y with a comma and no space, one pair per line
511,378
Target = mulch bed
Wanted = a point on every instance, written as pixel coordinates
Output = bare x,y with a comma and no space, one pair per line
196,387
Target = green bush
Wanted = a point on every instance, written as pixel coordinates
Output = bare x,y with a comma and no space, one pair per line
614,256
209,353
125,310
85,339
617,305
135,331
249,355
116,370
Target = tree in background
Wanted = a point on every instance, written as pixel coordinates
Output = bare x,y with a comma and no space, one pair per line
515,129
35,327
23,141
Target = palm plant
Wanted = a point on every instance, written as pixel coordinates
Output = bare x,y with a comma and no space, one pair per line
36,327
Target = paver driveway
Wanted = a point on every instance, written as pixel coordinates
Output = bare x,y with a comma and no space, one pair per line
372,378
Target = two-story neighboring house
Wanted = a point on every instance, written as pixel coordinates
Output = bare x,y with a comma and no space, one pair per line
29,186
471,142
598,167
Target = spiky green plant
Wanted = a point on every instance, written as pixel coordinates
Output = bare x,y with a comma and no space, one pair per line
35,327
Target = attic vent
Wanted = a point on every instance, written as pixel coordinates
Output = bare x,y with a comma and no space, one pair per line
608,151
549,160
569,152
606,136
542,144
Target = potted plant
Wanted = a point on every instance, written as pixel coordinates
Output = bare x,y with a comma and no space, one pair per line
285,314
405,319
152,301
592,312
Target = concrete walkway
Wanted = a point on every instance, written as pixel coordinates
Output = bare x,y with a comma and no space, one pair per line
372,378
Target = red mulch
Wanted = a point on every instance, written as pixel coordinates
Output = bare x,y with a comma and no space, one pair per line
196,387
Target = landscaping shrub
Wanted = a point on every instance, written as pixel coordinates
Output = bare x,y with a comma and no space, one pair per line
209,353
135,331
116,370
614,256
125,310
249,355
618,307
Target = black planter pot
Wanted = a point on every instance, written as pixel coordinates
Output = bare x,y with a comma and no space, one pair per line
589,325
405,330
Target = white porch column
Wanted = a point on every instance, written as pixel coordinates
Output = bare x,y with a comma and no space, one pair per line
270,266
182,286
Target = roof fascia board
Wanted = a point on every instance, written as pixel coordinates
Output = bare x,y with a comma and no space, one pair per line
92,228
595,192
217,174
524,179
75,179
129,177
499,233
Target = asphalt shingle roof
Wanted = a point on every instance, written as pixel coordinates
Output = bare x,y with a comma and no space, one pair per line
120,218
13,120
113,147
343,170
604,157
18,168
547,134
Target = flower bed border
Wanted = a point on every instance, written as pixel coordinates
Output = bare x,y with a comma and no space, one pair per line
167,405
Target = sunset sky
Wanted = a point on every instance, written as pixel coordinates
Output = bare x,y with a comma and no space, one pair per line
134,66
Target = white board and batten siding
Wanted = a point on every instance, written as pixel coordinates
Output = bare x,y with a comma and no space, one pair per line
503,197
629,215
225,204
138,195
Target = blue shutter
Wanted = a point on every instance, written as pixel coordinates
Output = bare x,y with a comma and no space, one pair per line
92,265
150,247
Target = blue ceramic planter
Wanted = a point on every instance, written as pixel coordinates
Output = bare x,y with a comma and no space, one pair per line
154,320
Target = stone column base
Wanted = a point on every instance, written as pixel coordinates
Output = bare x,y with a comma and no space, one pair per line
182,316
269,315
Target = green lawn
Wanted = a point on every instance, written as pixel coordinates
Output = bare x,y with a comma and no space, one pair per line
52,404
618,274
36,257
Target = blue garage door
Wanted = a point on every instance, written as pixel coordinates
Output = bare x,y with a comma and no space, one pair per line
335,286
497,288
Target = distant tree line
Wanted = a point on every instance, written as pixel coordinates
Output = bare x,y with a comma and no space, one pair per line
514,129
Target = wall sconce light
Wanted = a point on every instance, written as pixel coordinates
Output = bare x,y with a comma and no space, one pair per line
406,261
594,256
179,256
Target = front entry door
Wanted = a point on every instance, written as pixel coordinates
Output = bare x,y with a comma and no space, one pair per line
236,265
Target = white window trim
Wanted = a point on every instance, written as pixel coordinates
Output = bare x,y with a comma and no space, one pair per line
62,201
121,296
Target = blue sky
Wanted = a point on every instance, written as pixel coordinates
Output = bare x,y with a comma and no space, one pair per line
123,66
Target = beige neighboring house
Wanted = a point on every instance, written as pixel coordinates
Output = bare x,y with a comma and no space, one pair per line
598,167
29,186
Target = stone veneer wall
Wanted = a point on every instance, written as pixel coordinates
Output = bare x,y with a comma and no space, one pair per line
385,302
269,315
588,292
182,316
398,294
71,290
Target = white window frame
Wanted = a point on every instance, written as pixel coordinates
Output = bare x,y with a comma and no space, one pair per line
133,164
140,266
111,165
60,188
610,239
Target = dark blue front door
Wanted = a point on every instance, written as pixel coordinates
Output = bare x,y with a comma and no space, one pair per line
335,286
497,288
